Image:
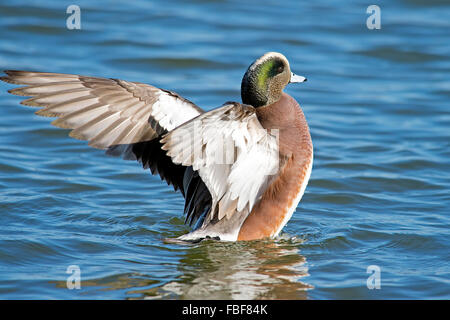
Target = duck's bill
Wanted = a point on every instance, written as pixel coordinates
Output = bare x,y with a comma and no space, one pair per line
295,78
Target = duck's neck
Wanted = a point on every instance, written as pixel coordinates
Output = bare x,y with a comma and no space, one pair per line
283,113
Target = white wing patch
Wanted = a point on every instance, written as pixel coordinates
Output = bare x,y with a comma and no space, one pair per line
234,155
171,118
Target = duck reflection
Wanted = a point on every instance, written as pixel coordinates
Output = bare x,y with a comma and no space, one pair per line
239,270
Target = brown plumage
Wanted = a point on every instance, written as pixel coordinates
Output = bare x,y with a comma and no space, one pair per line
296,152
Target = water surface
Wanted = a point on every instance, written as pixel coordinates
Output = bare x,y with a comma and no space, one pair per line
377,103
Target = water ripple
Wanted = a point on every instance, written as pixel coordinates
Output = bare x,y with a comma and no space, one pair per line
376,102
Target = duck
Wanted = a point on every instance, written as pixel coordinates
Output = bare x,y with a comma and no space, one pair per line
242,168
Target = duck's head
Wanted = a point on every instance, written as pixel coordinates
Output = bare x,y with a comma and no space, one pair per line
266,78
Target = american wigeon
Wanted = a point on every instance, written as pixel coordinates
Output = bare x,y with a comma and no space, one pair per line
242,168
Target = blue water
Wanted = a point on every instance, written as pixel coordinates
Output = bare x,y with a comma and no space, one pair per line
377,103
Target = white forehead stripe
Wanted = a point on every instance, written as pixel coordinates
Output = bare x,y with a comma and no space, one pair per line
268,56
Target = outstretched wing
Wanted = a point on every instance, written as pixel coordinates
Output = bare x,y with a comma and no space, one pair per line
120,116
234,155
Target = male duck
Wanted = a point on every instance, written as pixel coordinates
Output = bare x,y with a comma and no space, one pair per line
242,168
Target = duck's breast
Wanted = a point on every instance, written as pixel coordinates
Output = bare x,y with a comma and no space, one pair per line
279,201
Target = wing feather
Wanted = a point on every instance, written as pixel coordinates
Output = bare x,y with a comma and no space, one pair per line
237,181
117,115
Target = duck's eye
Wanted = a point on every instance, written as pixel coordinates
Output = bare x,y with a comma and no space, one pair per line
280,69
